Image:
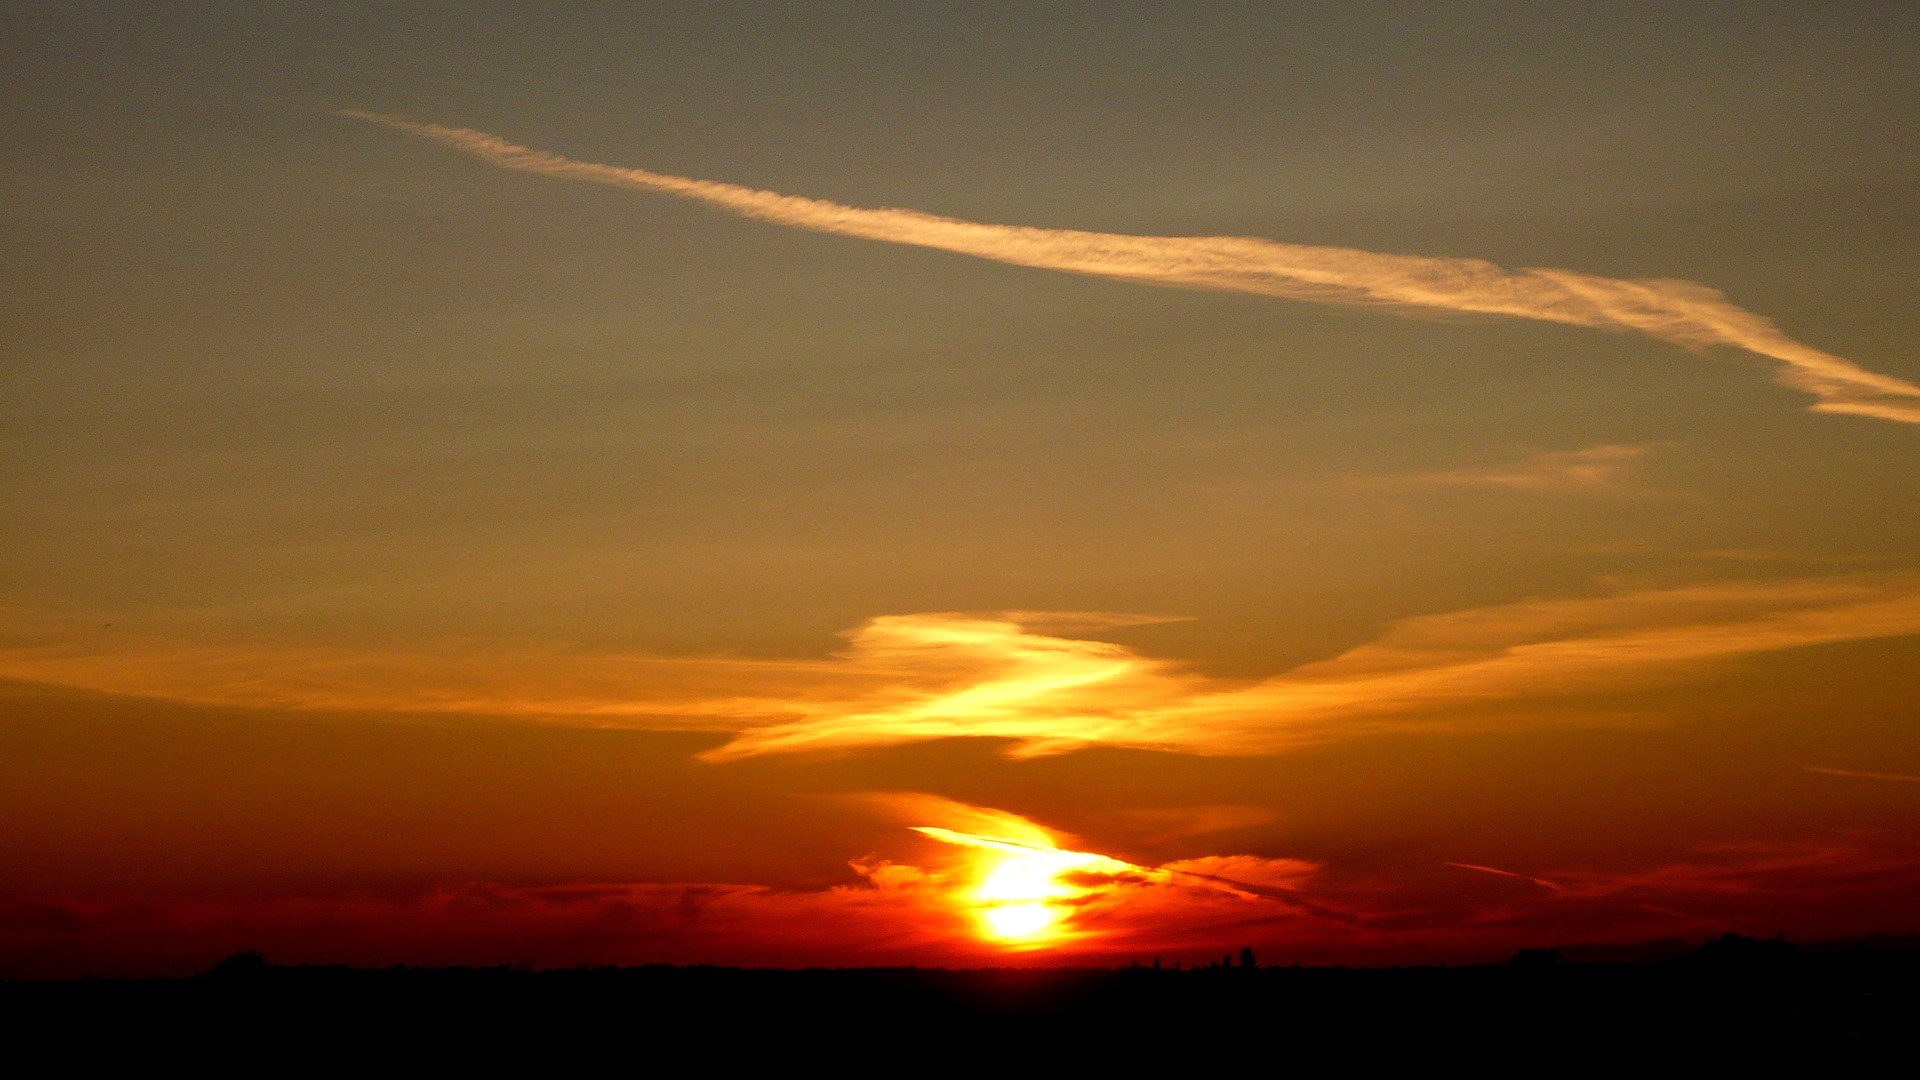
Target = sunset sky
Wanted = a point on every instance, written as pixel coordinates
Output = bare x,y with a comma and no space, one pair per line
955,484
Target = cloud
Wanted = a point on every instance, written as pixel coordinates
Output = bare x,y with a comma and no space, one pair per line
1186,822
914,678
953,899
1542,882
1025,890
1768,868
873,920
1593,470
920,811
1684,313
505,679
934,901
1897,777
1774,555
1767,871
1083,880
1824,888
1054,694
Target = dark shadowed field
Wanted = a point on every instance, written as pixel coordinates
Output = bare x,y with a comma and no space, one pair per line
1733,999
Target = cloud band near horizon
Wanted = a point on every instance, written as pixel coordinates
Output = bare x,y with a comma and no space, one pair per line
1684,313
1020,677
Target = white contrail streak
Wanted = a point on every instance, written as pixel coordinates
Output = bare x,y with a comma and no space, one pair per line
1682,312
1904,778
1542,882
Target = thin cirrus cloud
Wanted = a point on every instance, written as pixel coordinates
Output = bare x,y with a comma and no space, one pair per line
1496,871
1752,887
1901,778
1760,867
1681,312
1026,677
1593,470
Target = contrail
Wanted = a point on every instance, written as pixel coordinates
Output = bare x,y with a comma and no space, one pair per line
1900,777
1103,865
1682,312
1542,882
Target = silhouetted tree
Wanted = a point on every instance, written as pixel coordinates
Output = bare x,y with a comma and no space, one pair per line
240,965
1535,958
1246,958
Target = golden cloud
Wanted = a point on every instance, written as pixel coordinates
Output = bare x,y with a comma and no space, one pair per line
913,678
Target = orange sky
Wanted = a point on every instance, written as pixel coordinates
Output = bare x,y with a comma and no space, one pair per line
735,485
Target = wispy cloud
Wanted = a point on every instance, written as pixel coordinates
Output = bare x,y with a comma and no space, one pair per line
504,679
1858,775
1053,694
1020,677
1186,822
1765,868
1542,882
1593,470
1775,555
1839,885
1681,312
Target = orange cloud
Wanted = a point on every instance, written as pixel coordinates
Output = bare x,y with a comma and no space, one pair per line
1595,469
911,678
1027,891
1054,694
489,678
1681,312
968,900
971,898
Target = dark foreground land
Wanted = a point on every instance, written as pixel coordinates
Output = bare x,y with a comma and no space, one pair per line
1734,999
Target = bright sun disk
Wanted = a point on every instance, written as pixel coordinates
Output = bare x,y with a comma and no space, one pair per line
1019,898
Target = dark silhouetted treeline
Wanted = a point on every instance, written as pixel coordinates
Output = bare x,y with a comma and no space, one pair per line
1734,998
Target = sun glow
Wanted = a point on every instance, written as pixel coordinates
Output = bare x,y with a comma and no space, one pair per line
1016,897
1020,897
1019,922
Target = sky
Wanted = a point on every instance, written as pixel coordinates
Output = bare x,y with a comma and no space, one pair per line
954,484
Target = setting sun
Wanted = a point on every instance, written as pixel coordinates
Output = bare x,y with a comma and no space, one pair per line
1016,897
1021,899
576,486
1019,923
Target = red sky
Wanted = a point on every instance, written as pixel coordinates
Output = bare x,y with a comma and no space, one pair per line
755,484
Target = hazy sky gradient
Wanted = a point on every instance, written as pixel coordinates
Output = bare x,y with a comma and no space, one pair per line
390,538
